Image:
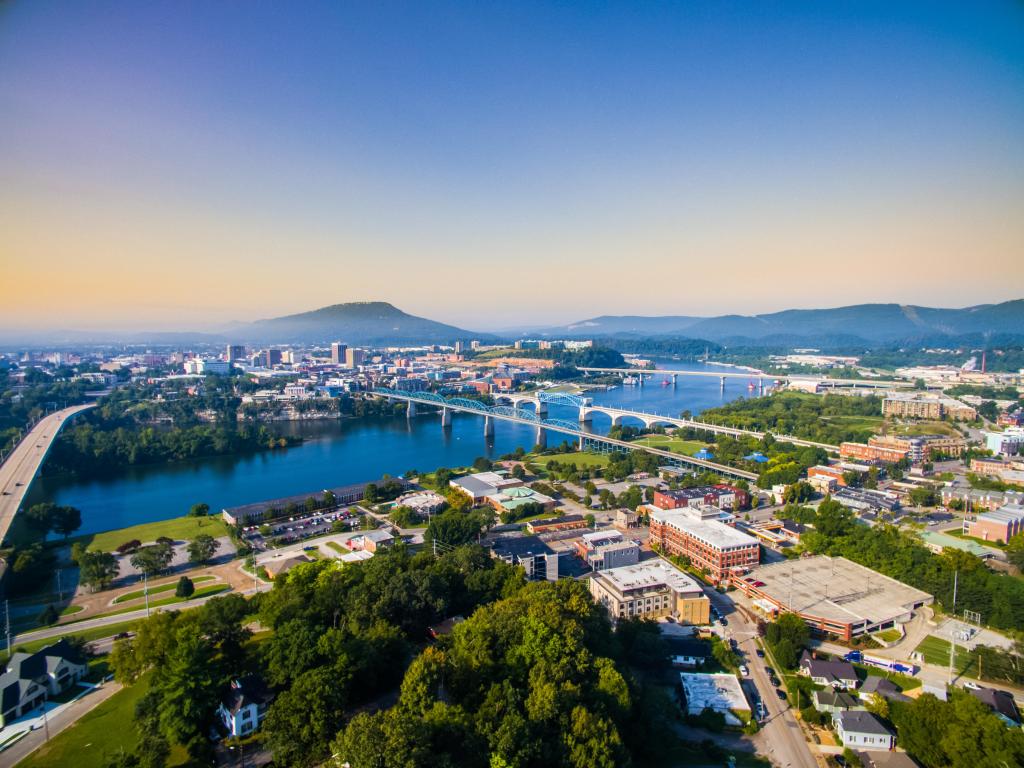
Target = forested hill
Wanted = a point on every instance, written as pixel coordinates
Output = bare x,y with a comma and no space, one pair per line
362,322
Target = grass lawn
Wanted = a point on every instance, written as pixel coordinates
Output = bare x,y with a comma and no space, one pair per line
865,423
906,682
925,428
580,458
98,735
935,650
675,444
889,635
157,588
71,610
337,547
175,528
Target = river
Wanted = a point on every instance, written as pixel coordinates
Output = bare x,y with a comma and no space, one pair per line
341,452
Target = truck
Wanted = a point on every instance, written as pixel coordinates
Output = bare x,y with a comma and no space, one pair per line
891,665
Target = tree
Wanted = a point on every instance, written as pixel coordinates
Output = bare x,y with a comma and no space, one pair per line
97,570
202,548
305,717
833,519
153,559
66,520
403,517
370,493
199,510
187,687
185,587
1015,551
48,616
39,517
518,472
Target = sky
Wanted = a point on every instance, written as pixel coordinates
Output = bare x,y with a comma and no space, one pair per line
181,165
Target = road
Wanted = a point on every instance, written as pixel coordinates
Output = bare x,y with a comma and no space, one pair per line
780,738
57,723
20,468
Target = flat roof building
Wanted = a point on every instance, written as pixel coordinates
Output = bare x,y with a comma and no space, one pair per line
720,693
997,525
483,484
651,589
833,595
711,545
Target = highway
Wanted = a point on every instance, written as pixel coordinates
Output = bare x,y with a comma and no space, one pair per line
20,468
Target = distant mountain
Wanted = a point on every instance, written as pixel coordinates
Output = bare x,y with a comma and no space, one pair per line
871,323
360,322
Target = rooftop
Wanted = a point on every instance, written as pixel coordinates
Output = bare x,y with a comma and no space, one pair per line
859,721
520,547
837,589
711,532
650,573
721,692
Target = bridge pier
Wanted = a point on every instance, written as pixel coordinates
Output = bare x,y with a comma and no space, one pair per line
586,416
542,409
446,418
675,376
488,426
760,386
640,379
721,383
410,409
542,437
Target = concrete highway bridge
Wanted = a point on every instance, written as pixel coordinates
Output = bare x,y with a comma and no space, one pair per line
519,415
24,461
640,373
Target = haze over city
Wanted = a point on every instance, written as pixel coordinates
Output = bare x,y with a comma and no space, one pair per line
184,165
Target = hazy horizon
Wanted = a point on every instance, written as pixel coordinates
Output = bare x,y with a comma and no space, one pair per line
180,166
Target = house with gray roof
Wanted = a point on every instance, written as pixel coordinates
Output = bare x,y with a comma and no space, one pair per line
858,729
878,688
832,701
1001,703
31,678
837,674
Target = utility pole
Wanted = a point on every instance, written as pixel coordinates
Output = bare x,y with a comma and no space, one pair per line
145,590
7,621
952,635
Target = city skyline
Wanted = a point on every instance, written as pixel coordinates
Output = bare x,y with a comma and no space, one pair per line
170,170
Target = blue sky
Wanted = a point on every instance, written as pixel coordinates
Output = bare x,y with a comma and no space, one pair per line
171,164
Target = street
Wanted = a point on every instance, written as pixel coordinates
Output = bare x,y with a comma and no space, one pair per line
780,738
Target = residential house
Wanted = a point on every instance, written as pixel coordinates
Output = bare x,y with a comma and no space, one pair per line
834,673
877,688
371,541
276,567
244,708
1001,703
858,729
830,700
31,678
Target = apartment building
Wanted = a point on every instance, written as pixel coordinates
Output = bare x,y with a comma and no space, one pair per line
925,405
863,452
712,546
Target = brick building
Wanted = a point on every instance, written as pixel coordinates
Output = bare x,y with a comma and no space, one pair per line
710,545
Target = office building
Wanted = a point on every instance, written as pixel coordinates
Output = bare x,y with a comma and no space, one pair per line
1009,442
651,589
924,405
271,357
354,357
536,558
338,353
235,353
997,525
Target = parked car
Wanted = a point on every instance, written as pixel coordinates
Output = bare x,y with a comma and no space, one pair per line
744,671
760,653
781,694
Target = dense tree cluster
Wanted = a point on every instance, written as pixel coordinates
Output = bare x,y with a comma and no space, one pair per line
787,637
805,416
23,406
531,680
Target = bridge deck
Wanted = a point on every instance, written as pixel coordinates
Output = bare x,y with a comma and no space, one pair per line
748,375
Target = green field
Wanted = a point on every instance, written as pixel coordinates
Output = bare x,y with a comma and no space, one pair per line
889,635
337,547
865,423
580,458
674,444
99,735
155,589
935,650
176,528
925,428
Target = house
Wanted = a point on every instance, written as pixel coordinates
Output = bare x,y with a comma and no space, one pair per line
1001,703
624,518
832,701
31,678
837,674
886,759
858,729
243,709
371,541
877,688
278,566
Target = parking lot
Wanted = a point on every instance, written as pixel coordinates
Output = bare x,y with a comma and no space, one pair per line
299,528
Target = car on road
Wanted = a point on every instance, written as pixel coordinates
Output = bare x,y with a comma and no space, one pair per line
781,694
971,685
759,652
744,671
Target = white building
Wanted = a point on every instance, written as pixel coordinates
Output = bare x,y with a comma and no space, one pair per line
720,693
1009,442
858,729
245,707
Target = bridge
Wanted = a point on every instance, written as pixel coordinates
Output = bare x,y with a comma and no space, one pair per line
640,373
587,409
523,416
21,466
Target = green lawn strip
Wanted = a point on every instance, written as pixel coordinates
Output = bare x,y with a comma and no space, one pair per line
201,592
674,444
72,609
889,635
176,528
580,458
93,633
336,547
157,588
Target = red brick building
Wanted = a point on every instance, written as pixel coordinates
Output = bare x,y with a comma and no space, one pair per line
871,453
712,546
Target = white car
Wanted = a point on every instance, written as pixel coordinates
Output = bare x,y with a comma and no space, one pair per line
744,671
971,685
